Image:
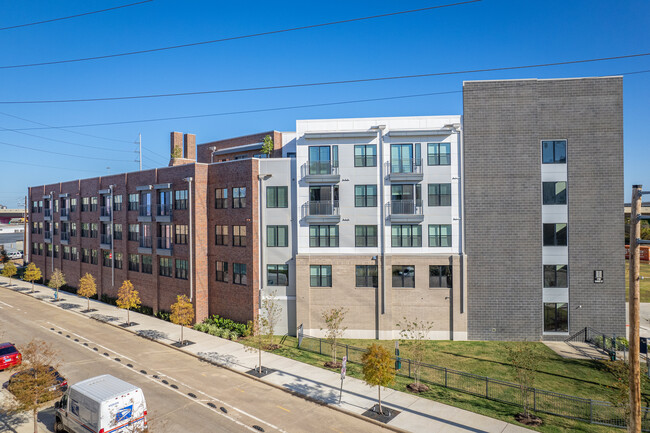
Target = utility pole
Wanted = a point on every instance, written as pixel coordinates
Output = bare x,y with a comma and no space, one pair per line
634,424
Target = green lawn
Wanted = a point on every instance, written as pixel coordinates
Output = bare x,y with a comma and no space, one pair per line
645,283
588,379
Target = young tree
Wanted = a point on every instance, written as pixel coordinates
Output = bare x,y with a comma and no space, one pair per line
127,298
56,282
414,335
378,369
267,147
182,313
32,273
36,379
177,152
525,363
256,340
271,316
334,318
9,271
87,287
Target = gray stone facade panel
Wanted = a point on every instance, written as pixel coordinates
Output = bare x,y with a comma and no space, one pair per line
504,123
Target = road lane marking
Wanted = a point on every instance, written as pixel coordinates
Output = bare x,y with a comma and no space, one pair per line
172,379
4,303
283,408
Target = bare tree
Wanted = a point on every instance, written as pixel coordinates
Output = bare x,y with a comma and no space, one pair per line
415,334
271,313
36,378
525,363
334,318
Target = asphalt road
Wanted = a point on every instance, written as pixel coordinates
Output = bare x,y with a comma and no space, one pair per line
183,394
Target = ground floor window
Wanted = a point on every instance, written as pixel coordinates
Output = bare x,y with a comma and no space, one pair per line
440,276
403,276
239,273
556,317
366,276
320,275
277,275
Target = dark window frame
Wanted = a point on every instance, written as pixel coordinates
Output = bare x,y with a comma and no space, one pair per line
552,237
239,197
412,239
556,275
221,238
556,154
364,196
436,197
361,237
435,156
181,234
440,276
181,269
320,279
550,196
221,198
327,240
238,239
181,199
273,238
363,159
274,273
366,276
556,318
221,274
165,267
273,197
439,240
239,274
401,274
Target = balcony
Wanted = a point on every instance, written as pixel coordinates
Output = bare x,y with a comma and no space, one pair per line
145,245
400,170
65,238
164,246
405,211
164,212
105,242
47,214
144,213
47,235
65,214
320,172
104,213
324,211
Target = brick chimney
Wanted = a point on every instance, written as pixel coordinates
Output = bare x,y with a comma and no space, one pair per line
176,142
190,147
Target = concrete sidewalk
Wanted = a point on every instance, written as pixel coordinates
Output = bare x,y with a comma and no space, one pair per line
417,414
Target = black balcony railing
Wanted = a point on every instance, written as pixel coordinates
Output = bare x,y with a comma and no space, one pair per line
164,244
145,242
65,211
145,210
65,236
322,167
105,211
164,209
106,239
323,207
48,212
406,207
405,165
47,234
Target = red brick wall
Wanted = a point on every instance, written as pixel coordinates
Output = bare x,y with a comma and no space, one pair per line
204,151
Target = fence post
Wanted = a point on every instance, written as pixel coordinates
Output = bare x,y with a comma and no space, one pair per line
487,381
445,377
586,337
347,355
409,368
534,400
591,412
320,346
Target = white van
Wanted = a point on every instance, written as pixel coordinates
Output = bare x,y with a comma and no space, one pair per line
101,404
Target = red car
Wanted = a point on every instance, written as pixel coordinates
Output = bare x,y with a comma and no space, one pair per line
9,356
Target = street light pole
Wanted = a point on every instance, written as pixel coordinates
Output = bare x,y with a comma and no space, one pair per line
634,424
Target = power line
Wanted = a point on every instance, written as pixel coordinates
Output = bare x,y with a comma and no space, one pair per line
232,38
74,16
47,166
60,153
291,107
329,83
63,129
63,141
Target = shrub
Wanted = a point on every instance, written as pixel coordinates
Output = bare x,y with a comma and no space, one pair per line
164,315
224,323
225,334
233,336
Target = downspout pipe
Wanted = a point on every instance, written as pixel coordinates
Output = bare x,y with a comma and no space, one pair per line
190,233
112,240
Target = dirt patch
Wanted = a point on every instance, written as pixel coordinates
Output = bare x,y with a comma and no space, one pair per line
530,419
417,388
331,364
271,347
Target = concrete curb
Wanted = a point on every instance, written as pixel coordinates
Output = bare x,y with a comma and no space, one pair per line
216,364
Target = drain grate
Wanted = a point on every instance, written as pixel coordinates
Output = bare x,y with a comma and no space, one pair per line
223,409
256,427
212,405
143,371
191,395
129,365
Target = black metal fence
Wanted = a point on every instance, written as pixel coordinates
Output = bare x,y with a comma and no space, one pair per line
553,403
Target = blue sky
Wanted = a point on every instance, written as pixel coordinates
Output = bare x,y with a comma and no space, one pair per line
491,33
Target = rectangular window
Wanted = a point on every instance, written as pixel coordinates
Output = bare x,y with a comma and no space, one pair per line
147,265
117,232
180,199
56,228
85,230
277,275
134,232
56,251
365,195
403,159
277,236
56,205
277,197
134,201
40,249
440,276
73,229
556,276
93,204
320,275
145,203
106,258
40,206
181,269
221,198
365,236
222,271
134,262
439,194
440,235
239,273
93,230
66,253
438,154
220,235
323,236
73,205
165,266
34,227
555,235
164,207
117,202
74,254
366,276
146,235
239,197
365,155
406,235
181,234
554,152
85,204
118,260
556,317
554,192
404,276
320,161
239,236
35,248
34,206
93,257
85,255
